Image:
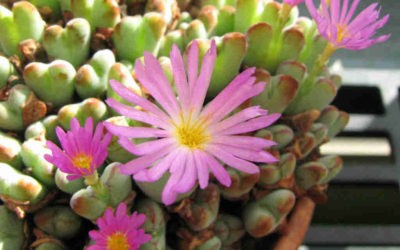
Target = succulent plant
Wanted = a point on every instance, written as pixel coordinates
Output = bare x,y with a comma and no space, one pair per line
216,176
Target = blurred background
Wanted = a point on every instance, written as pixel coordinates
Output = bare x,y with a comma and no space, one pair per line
363,210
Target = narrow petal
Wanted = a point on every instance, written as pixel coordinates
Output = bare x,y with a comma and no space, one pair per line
168,195
232,161
155,72
312,9
189,176
202,169
203,81
251,125
132,97
135,132
134,166
248,154
246,92
156,172
335,11
243,141
178,70
218,170
148,81
227,92
242,116
145,147
343,13
351,11
193,66
135,114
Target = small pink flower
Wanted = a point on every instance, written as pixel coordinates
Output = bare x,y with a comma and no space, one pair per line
335,23
119,231
293,2
191,140
82,152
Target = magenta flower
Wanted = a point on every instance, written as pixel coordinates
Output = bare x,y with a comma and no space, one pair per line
82,152
293,2
190,141
119,232
335,23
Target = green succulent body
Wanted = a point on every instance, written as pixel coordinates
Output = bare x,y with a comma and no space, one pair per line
23,22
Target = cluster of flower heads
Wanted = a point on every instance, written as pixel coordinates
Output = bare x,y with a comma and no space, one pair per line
191,140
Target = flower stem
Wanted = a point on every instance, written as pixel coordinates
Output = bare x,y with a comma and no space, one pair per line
94,182
318,66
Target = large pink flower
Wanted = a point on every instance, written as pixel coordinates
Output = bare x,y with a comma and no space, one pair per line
119,231
82,152
191,140
336,23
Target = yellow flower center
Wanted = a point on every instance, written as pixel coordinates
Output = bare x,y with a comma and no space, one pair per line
82,161
192,134
117,241
342,32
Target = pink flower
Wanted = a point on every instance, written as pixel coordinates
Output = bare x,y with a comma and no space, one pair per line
293,2
191,140
82,152
119,231
335,23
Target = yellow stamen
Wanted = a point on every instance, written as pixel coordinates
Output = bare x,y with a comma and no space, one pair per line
341,32
328,2
192,134
117,241
82,161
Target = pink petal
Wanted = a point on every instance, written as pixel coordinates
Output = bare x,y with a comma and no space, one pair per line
154,173
246,91
241,116
131,96
345,7
178,70
227,92
218,170
243,141
148,81
312,9
168,195
193,66
134,166
188,179
135,114
233,161
248,154
334,8
351,11
145,147
121,210
202,168
204,79
252,125
135,132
